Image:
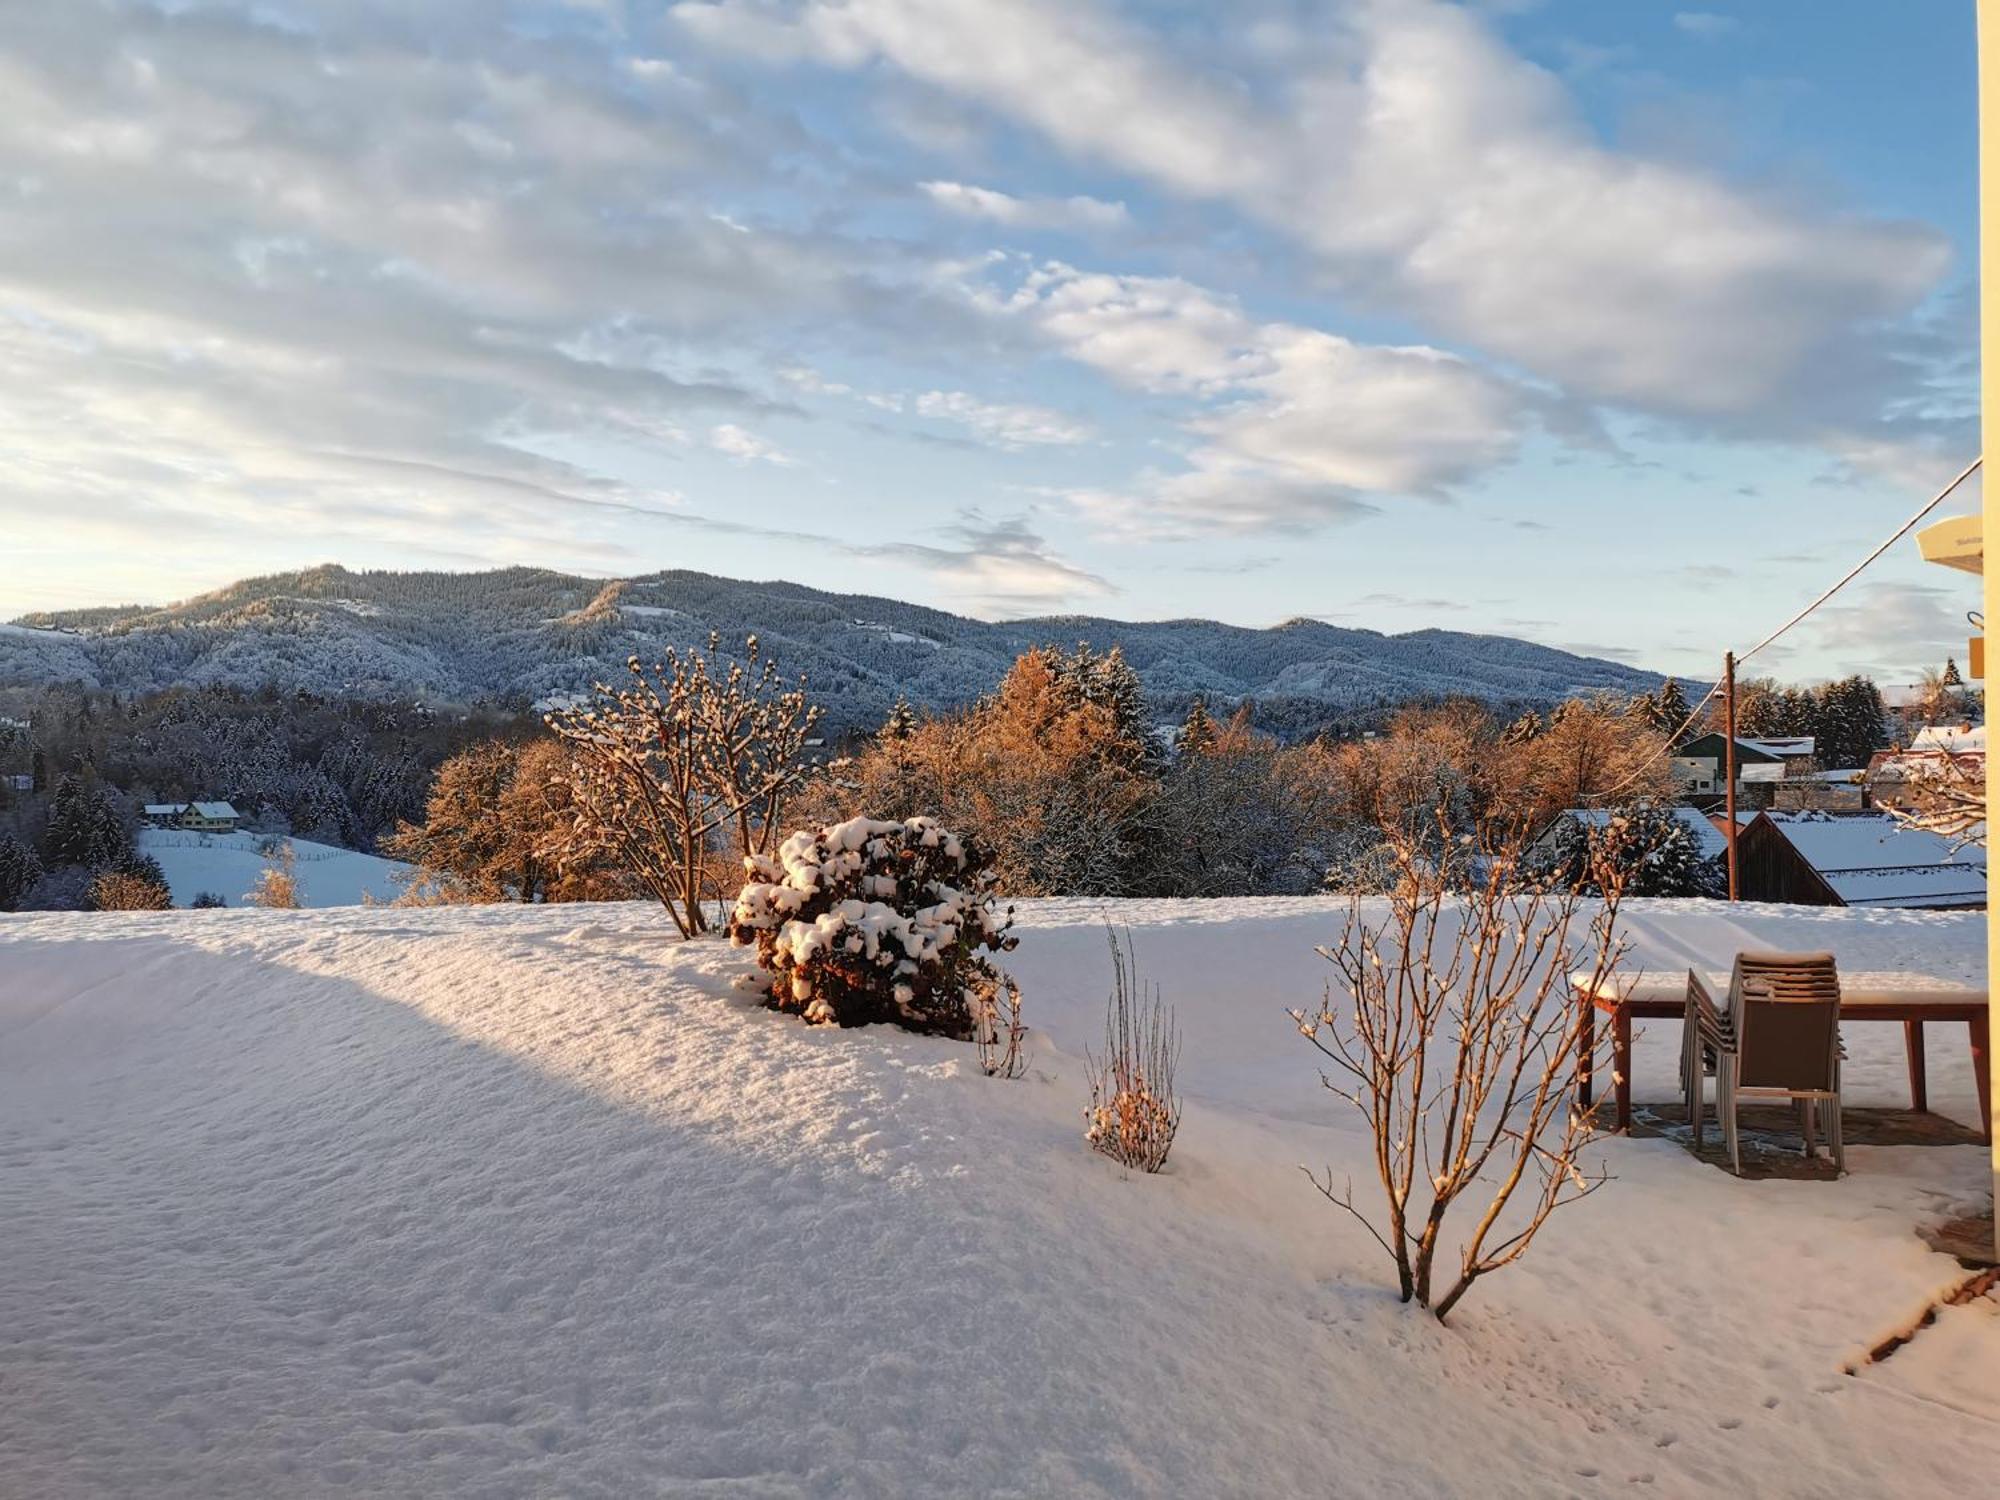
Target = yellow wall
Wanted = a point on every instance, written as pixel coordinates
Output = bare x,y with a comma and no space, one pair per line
1989,351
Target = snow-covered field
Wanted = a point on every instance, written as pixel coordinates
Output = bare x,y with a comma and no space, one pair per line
508,1201
229,864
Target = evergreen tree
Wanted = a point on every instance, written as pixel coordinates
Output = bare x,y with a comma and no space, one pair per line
1951,677
85,828
1650,847
19,870
1197,731
1523,730
900,724
1670,711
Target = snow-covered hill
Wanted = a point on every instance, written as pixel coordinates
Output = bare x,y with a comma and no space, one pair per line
524,634
518,1202
229,864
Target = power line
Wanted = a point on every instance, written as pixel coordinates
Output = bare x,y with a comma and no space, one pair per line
1852,573
1694,715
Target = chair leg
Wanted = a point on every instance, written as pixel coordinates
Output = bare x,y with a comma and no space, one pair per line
1725,1108
1833,1137
1691,1089
1806,1107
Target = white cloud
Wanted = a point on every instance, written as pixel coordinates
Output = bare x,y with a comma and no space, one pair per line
1073,213
998,568
1894,630
1003,425
1435,172
744,446
1706,24
1293,427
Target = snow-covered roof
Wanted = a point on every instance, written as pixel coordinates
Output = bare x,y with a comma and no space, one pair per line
1950,739
1872,860
199,809
1708,839
1785,747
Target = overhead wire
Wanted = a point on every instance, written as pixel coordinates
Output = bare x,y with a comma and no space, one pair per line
1852,573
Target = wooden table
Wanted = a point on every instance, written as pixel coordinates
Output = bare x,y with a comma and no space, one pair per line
1887,995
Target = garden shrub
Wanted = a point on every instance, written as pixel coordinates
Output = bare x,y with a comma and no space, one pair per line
868,921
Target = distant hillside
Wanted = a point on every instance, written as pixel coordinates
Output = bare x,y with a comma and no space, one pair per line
521,634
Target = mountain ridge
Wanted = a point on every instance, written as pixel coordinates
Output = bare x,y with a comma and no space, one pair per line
523,633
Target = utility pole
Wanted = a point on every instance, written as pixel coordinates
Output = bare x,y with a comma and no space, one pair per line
1729,760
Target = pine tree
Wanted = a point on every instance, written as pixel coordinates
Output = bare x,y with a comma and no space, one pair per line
19,870
901,723
1523,730
84,828
1671,711
1197,731
1951,677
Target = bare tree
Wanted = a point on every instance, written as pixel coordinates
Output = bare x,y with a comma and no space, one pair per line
277,886
685,753
1453,1032
1134,1111
1944,794
118,890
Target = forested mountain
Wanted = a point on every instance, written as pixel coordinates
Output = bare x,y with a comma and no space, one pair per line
520,634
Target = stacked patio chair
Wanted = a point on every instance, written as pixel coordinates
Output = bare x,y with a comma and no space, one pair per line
1778,1037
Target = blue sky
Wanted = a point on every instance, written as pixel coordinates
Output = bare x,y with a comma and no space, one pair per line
1623,327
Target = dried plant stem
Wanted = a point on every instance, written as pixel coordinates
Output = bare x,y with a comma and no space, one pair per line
1134,1110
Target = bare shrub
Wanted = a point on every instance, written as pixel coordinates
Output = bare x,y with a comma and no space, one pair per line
1134,1111
998,1030
1453,1032
118,890
277,887
690,751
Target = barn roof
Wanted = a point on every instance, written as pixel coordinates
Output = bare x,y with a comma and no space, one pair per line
1872,860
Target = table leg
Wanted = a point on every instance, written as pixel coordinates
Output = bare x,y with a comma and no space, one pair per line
1913,1043
1982,1074
1586,1050
1621,1067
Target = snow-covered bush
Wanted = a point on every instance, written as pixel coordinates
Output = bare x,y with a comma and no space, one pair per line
867,921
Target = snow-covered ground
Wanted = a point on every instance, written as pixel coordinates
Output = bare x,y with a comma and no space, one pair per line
530,1201
229,864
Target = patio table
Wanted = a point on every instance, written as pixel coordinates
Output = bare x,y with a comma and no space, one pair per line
1909,996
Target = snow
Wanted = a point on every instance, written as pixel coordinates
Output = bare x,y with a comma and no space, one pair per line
1953,739
1786,747
229,864
523,1201
1871,859
890,633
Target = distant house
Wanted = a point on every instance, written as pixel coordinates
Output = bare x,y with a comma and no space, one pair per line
202,817
1862,859
1890,771
1698,768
